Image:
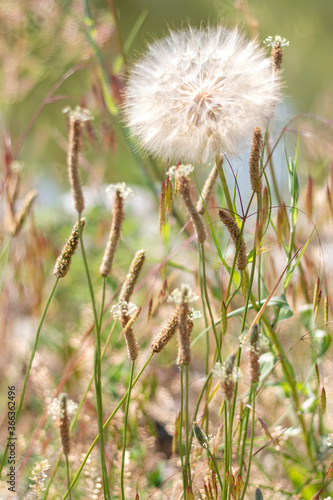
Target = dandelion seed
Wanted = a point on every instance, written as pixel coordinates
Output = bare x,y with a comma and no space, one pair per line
199,93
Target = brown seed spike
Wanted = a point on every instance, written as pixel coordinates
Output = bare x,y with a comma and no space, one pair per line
254,161
199,226
64,425
132,276
166,333
125,321
207,189
75,139
63,262
234,232
114,235
254,354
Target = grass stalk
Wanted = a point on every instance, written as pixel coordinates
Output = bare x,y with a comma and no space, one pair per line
68,478
93,444
33,352
97,372
122,470
253,392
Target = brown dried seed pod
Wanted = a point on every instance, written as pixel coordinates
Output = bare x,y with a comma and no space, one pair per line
207,189
75,139
63,262
114,235
198,224
234,232
184,334
227,382
132,276
254,354
130,338
166,333
64,425
254,161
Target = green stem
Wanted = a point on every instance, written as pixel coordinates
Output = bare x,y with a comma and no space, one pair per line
226,454
122,470
97,372
253,391
68,478
187,456
181,420
105,426
19,407
216,468
208,303
230,449
225,186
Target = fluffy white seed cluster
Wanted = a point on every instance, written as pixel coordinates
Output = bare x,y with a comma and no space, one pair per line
184,294
121,187
118,309
199,93
55,411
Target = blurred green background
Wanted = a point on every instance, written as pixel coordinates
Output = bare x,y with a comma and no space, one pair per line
41,40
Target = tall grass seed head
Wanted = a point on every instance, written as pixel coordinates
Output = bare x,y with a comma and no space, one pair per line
199,93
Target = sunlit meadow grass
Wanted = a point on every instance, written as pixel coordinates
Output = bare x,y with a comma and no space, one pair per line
185,352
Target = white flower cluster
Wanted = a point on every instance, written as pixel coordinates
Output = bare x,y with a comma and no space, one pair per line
54,409
78,114
122,188
185,293
276,41
180,170
194,314
199,93
220,370
123,307
38,477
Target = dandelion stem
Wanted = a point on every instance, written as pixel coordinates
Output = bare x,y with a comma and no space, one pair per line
122,470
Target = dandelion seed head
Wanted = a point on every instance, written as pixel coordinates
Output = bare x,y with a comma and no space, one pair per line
122,188
199,93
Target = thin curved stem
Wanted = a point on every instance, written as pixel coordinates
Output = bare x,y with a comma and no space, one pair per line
122,470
